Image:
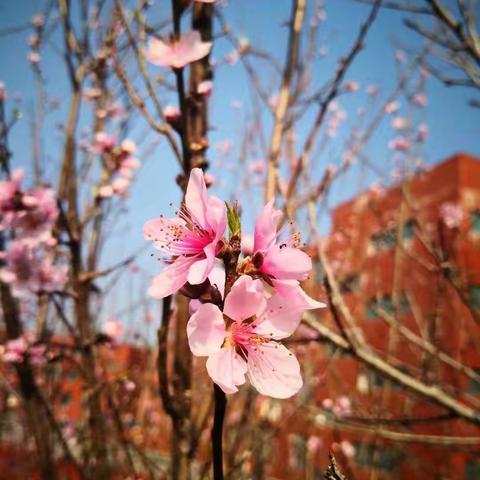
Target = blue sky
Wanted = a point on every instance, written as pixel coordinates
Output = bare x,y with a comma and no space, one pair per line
454,126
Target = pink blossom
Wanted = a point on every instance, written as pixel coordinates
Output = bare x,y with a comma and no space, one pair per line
31,269
422,133
90,94
352,86
33,57
105,191
452,214
128,146
205,88
2,91
193,238
327,403
280,262
342,407
392,107
171,113
399,143
233,57
104,142
314,444
347,448
37,354
112,328
15,350
247,344
420,99
177,53
258,166
121,185
247,244
399,123
38,20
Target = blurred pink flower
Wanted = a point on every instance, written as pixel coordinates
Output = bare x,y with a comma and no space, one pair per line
392,107
177,53
452,214
258,166
248,346
15,350
342,407
399,123
38,20
347,448
422,133
314,444
420,99
192,237
205,88
352,86
33,57
399,143
112,328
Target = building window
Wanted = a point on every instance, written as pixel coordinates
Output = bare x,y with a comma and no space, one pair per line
408,230
473,296
473,386
383,241
298,451
385,304
472,470
381,458
349,284
475,222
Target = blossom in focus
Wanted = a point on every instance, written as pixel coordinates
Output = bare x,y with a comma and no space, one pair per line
177,53
246,341
280,262
192,238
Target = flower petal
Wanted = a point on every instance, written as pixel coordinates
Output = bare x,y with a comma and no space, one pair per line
172,278
200,270
196,198
280,319
291,291
246,298
217,276
216,216
273,370
227,369
206,330
162,232
286,263
266,227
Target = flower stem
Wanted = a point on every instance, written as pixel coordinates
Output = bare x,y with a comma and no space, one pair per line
217,432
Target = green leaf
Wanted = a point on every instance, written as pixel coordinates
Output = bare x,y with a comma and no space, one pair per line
233,219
